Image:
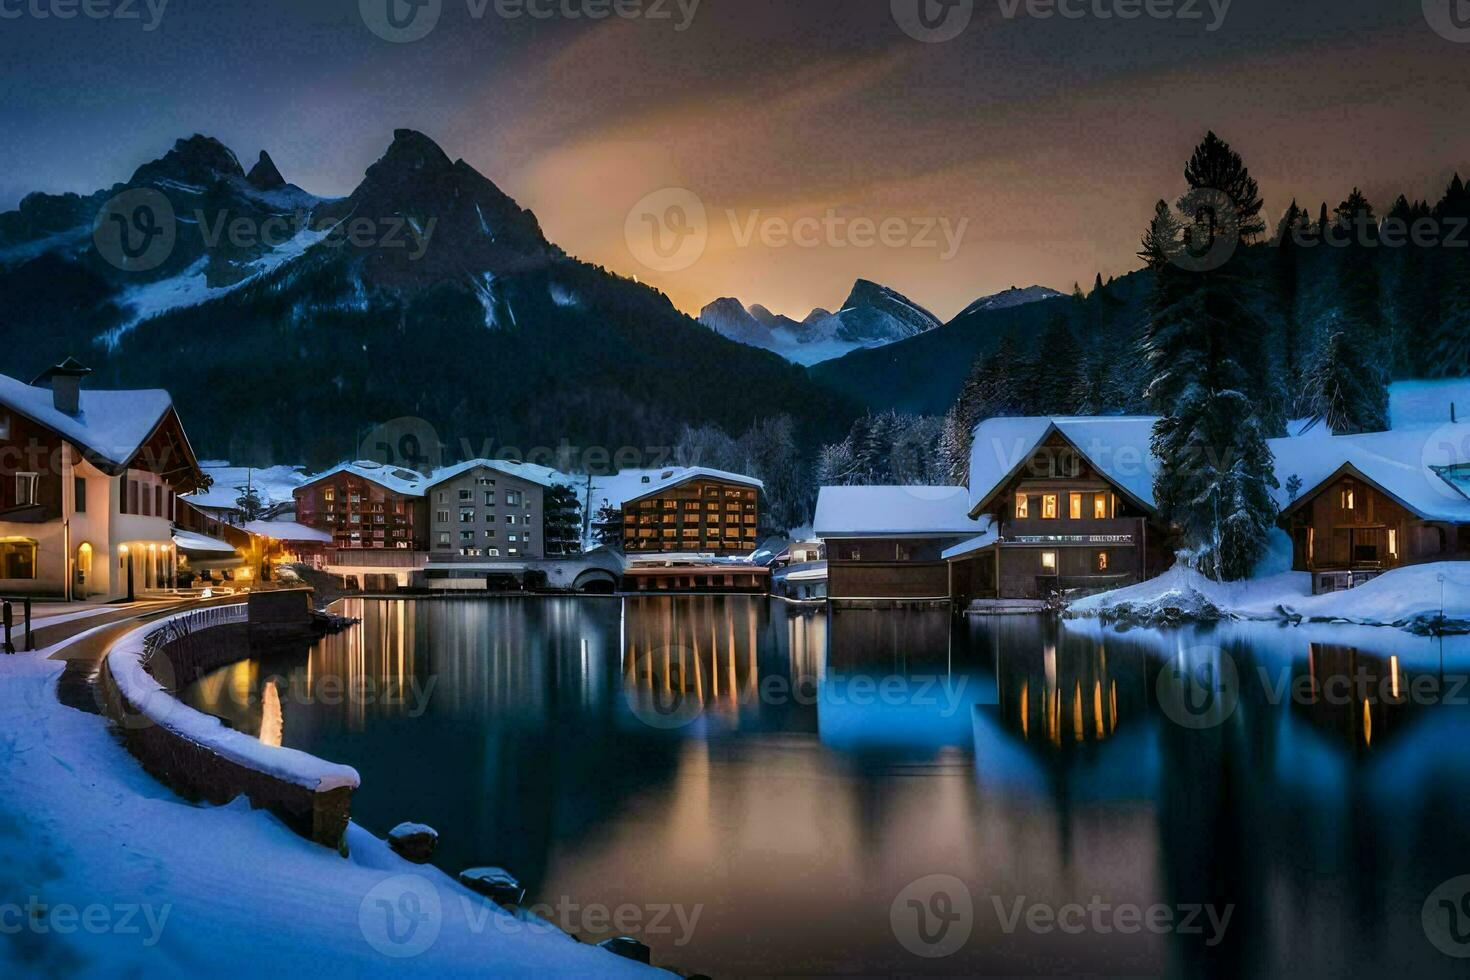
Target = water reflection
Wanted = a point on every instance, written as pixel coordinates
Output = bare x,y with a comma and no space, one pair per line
790,771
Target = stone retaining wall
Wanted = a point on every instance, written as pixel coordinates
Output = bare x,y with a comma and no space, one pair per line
197,756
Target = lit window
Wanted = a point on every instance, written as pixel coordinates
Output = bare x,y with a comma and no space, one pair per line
1102,561
18,559
1393,543
1049,507
1349,498
1049,561
1074,506
1100,507
1023,505
1311,544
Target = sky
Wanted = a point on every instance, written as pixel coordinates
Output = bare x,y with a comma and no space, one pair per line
824,140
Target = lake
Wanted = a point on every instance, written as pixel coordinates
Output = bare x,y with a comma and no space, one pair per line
752,787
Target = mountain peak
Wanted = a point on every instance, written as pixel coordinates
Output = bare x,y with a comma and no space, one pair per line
196,161
264,175
1015,296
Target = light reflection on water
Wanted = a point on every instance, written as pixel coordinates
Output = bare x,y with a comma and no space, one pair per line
788,773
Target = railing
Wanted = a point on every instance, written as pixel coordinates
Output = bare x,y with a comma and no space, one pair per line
181,628
7,616
377,558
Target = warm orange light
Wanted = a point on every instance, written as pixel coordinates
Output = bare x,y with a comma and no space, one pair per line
122,549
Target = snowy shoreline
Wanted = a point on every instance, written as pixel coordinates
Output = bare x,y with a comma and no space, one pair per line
1432,598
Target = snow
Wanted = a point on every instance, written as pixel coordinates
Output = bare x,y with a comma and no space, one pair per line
190,541
1400,597
673,478
1402,463
287,531
1117,446
1426,404
112,424
402,481
191,287
274,484
1015,296
87,828
978,543
156,704
851,512
531,472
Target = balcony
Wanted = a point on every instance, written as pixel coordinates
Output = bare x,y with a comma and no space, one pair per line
1114,532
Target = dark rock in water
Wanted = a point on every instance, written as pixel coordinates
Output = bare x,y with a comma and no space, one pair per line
496,884
627,947
414,841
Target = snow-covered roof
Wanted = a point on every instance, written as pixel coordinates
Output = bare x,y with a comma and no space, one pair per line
287,531
674,477
856,512
978,543
1403,463
1427,404
112,425
531,472
400,480
193,541
1117,446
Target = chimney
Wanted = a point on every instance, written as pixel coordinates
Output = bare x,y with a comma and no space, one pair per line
65,382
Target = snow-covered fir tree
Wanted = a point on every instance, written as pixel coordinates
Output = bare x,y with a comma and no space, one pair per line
1217,470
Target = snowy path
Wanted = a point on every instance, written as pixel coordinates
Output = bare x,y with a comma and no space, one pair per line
105,872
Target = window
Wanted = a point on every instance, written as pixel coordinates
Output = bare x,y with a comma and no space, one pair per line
1100,506
1074,506
512,538
18,558
466,495
1023,506
1349,498
444,539
489,498
79,493
25,489
157,500
133,497
493,552
1311,544
510,518
513,498
1049,562
467,537
490,535
1102,561
467,515
1049,507
1393,543
329,494
442,516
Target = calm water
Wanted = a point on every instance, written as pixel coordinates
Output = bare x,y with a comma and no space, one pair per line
794,779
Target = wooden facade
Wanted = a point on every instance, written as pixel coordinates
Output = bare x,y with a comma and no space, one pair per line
1349,529
1061,526
363,514
907,567
703,514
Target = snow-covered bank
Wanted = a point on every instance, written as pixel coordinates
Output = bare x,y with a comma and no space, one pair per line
102,870
1418,598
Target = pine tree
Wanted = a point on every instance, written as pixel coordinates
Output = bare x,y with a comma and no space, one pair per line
1217,471
1058,371
1348,384
607,526
1448,347
563,521
1287,278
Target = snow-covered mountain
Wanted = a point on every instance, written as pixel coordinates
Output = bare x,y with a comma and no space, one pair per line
1015,296
873,316
427,292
